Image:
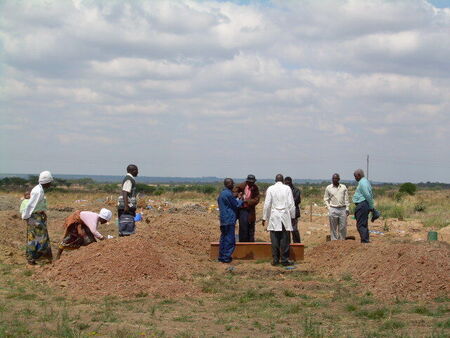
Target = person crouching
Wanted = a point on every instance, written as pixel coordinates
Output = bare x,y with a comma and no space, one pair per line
81,229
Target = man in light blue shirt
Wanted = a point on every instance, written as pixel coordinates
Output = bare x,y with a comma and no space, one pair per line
363,199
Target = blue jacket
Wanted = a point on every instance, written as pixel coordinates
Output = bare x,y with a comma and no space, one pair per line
228,207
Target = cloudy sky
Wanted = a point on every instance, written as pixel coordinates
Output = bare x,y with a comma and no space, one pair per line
226,88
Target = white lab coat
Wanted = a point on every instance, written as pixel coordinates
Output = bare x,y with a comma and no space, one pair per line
279,207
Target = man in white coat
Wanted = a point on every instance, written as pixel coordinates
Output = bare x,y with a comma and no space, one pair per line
279,209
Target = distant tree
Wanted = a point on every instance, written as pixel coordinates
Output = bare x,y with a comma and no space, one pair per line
408,188
13,181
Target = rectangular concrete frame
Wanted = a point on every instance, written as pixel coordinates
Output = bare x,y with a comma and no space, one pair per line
258,250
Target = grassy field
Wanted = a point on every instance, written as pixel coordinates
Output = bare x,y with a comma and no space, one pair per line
232,303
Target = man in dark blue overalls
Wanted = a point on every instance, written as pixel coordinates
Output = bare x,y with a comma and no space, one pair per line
228,208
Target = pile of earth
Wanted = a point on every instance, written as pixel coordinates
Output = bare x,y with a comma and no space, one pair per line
410,271
160,259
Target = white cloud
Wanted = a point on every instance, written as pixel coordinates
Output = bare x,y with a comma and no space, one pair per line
224,87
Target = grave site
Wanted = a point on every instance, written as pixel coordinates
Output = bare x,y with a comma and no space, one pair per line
164,280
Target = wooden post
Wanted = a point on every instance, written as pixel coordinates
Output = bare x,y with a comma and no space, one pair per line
310,212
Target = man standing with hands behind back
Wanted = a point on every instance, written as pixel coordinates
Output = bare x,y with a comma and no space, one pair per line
279,210
336,200
247,213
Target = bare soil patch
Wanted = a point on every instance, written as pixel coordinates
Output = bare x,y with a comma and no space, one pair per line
411,271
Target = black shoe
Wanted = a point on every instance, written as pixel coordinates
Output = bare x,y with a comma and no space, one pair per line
375,215
288,263
275,263
31,262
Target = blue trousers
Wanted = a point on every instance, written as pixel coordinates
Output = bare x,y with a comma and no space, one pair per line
227,242
362,220
246,228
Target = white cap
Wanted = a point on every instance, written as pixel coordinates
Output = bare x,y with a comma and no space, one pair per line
105,214
45,177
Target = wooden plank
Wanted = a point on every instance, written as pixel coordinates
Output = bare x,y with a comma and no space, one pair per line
258,250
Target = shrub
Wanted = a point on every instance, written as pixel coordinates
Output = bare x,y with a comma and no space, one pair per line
419,207
408,188
398,196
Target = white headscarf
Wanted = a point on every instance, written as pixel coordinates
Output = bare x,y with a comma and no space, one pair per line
45,177
105,214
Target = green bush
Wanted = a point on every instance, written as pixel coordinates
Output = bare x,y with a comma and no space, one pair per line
419,207
408,188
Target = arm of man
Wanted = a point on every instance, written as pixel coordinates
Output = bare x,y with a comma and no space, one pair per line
234,202
267,207
347,202
297,198
365,191
34,198
291,205
326,198
126,189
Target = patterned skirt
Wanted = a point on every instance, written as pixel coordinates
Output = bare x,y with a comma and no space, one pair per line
75,237
38,241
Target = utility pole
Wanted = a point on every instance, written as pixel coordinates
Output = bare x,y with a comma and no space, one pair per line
367,169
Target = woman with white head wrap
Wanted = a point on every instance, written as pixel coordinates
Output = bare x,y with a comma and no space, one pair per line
38,241
81,229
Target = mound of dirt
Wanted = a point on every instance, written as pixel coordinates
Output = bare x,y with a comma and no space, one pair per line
159,260
405,270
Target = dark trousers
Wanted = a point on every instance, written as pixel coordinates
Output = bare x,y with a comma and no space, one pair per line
362,220
280,245
246,228
227,242
295,232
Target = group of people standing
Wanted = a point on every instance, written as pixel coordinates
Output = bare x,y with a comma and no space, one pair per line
80,228
281,208
282,212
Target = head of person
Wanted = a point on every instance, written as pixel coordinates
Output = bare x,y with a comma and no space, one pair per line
228,183
279,178
27,193
104,216
288,181
132,169
251,179
335,179
359,173
45,179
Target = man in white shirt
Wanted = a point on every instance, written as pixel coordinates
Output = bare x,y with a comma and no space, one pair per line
336,200
279,209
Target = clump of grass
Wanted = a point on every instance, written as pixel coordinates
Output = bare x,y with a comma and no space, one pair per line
419,207
289,293
350,308
422,310
347,277
391,210
436,222
444,325
251,295
293,309
312,328
392,325
373,314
